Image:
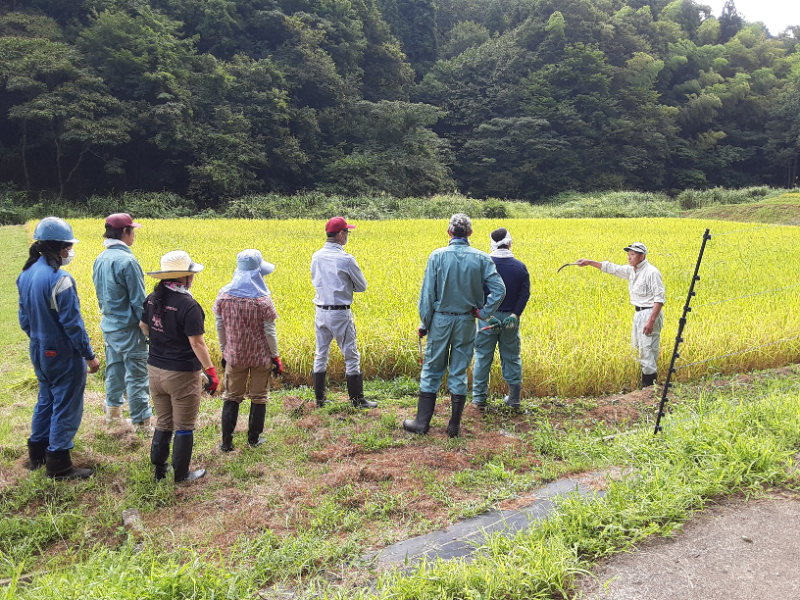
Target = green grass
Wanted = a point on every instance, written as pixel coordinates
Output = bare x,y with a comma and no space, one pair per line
782,210
739,440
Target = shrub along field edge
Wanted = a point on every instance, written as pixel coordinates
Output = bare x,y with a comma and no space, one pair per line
16,208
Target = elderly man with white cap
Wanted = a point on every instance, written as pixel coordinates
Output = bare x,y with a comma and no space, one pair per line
336,276
175,323
452,296
245,317
119,284
648,296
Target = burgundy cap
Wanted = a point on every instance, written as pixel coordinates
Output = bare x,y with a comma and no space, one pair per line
120,220
337,224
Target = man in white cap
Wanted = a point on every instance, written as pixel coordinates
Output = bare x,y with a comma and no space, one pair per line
245,317
336,276
452,296
648,296
119,284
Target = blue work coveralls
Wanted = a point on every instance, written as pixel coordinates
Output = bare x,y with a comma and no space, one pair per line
50,314
452,287
119,283
518,291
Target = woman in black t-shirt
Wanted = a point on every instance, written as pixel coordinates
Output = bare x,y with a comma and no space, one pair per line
174,322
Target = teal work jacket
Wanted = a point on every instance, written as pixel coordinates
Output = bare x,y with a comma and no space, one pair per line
454,280
119,283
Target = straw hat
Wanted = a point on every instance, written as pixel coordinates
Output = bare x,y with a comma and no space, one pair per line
176,264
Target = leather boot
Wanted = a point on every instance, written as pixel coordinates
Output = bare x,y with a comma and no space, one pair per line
355,389
514,393
457,402
159,452
59,466
182,456
422,423
37,454
230,414
648,380
319,388
258,413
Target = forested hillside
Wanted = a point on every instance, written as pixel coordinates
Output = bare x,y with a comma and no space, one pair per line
504,98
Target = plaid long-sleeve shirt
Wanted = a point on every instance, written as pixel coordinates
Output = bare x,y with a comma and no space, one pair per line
245,326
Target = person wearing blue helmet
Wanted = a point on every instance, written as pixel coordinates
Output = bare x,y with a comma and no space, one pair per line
60,350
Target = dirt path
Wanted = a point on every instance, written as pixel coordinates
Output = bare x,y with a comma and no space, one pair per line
738,550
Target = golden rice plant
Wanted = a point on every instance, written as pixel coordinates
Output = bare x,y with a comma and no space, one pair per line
576,329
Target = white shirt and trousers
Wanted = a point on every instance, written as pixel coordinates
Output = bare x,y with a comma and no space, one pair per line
336,276
646,288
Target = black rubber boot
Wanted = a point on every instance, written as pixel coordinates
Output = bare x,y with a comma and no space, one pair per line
319,388
514,395
457,402
355,389
230,414
422,423
182,456
258,413
159,452
59,466
37,454
648,380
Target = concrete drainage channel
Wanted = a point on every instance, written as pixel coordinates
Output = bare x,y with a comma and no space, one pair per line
461,539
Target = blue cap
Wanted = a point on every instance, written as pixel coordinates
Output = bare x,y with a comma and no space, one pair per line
53,229
250,260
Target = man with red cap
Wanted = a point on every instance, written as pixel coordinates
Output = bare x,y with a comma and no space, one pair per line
119,283
336,275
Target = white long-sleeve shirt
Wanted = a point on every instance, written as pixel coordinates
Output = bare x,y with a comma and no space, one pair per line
335,275
644,282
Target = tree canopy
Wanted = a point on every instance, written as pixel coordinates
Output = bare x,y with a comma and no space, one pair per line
496,98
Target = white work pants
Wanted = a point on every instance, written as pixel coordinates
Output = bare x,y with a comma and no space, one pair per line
336,325
647,345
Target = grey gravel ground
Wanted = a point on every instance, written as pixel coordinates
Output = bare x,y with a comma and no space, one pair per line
738,550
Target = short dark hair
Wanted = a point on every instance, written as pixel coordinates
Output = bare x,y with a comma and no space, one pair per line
460,232
115,233
333,234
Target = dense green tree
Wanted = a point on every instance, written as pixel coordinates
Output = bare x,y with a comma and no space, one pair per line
217,98
392,150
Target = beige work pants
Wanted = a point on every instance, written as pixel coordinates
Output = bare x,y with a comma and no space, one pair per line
237,388
176,398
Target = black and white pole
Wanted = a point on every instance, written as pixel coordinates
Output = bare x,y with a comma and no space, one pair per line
679,338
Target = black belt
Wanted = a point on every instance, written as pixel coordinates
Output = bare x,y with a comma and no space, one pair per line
638,308
334,307
441,312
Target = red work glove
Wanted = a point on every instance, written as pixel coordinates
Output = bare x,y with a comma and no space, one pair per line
213,380
421,331
277,366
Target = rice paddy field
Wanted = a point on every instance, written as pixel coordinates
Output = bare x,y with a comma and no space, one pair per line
576,328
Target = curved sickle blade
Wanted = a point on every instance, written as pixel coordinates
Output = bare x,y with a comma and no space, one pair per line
566,265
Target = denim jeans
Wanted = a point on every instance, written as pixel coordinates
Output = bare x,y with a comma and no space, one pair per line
126,371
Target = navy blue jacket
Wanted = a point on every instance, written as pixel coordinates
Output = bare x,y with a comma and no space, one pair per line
518,284
50,312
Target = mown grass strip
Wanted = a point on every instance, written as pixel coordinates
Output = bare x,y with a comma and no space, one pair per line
737,447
